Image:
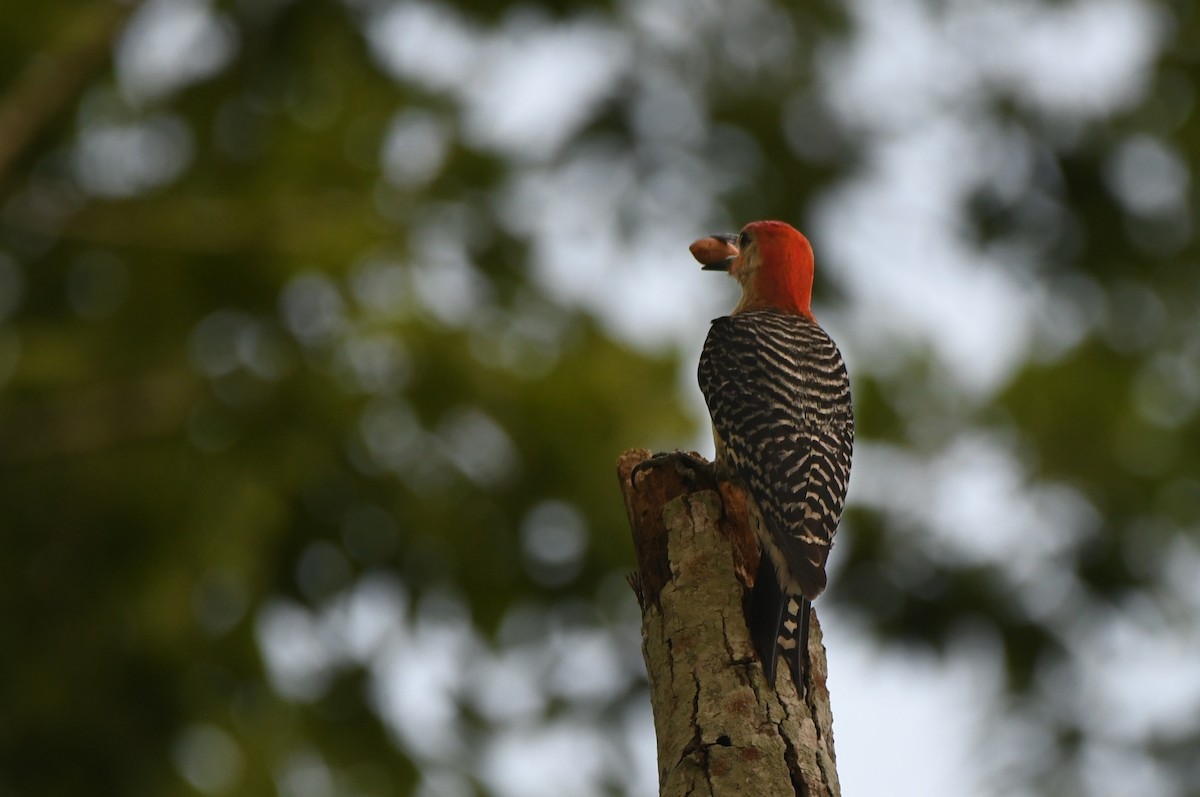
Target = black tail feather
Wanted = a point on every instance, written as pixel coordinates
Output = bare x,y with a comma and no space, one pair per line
776,619
766,617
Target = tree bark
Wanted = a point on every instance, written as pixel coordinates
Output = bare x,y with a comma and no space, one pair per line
721,729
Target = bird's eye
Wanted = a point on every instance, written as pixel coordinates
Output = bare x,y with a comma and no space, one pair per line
743,240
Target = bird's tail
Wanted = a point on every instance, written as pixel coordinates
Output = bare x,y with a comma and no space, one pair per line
778,625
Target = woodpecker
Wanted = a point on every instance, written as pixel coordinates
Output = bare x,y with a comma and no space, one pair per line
779,397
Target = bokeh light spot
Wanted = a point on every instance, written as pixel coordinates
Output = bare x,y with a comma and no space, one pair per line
554,538
208,758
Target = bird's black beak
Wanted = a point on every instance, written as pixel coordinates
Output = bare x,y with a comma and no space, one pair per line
716,252
720,265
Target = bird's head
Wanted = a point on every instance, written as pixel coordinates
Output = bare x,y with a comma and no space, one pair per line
772,262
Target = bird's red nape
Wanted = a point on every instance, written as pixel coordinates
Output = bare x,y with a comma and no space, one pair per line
780,264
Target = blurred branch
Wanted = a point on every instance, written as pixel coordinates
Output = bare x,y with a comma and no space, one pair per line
334,222
721,729
97,417
52,81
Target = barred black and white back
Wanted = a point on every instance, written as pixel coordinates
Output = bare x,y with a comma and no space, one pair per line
779,397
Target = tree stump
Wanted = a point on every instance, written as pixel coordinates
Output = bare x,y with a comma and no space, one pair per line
722,730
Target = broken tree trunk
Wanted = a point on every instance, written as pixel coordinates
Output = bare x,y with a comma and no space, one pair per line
721,729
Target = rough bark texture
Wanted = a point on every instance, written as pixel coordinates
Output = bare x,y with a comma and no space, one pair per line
721,729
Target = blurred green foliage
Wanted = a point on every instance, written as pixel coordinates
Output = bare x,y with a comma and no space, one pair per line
242,366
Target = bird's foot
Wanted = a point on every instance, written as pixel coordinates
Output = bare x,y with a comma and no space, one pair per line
687,463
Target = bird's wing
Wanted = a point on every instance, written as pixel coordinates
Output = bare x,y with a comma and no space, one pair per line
779,398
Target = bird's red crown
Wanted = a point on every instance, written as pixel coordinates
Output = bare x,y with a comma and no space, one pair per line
775,268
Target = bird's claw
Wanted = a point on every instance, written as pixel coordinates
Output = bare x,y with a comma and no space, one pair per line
650,462
694,461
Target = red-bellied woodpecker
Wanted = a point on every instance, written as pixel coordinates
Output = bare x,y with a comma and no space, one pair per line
779,398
